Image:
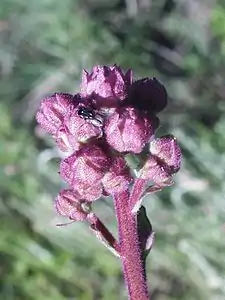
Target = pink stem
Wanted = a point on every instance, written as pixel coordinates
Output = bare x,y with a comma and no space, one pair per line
137,194
103,233
130,251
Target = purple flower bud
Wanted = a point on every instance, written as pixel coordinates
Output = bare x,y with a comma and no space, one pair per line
89,192
87,165
82,129
68,204
107,83
66,141
118,178
148,94
164,160
53,110
77,130
153,170
128,129
168,151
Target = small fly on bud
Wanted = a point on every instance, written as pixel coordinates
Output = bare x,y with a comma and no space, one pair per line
90,116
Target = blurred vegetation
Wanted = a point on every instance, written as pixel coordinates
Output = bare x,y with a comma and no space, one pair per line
44,46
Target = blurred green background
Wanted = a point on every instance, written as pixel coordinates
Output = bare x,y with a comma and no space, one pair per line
44,45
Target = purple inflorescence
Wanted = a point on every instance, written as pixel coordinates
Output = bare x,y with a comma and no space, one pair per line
112,116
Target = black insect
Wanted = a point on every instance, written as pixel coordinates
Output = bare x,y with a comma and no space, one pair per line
89,115
86,113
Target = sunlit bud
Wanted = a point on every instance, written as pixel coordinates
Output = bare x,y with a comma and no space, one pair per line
107,84
53,110
154,170
168,151
88,165
128,129
87,191
68,204
118,178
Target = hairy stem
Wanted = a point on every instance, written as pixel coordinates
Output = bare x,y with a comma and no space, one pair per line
130,251
103,234
136,195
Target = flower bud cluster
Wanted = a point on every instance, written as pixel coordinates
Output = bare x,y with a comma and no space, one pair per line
113,115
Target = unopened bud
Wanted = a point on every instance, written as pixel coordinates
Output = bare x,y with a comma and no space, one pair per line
128,129
68,204
53,110
168,151
148,94
107,83
118,178
88,165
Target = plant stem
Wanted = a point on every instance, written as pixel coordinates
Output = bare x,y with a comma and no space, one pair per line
130,251
136,195
103,234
